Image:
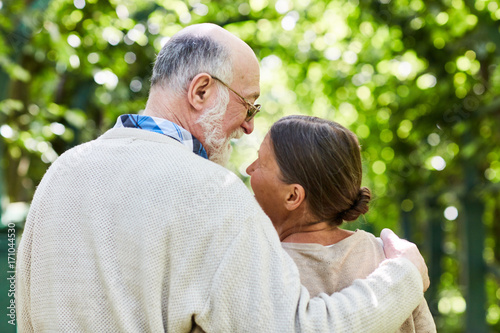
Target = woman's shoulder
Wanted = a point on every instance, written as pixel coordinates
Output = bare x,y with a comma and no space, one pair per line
368,236
367,240
365,236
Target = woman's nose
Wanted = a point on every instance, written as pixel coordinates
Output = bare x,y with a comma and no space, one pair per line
250,168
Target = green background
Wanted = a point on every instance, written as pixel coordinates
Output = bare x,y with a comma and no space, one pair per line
418,82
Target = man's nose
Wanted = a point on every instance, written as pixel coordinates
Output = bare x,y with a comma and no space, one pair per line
248,126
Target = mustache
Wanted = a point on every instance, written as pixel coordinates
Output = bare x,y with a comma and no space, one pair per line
237,134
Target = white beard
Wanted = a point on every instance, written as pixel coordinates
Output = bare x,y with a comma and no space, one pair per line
218,146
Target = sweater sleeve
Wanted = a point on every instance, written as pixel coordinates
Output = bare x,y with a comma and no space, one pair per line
422,317
257,289
23,283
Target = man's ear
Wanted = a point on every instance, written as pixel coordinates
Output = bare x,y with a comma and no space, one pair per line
295,197
199,91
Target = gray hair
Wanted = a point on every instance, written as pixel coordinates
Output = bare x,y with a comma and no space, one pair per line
185,56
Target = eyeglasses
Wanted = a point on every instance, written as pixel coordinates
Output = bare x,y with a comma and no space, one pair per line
252,108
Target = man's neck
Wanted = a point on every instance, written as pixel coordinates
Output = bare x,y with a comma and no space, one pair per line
166,106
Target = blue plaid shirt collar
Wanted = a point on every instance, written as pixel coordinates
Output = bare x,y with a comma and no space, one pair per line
162,126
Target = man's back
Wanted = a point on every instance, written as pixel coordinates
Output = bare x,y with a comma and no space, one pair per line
118,233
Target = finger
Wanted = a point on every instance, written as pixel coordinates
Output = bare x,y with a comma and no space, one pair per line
427,283
388,235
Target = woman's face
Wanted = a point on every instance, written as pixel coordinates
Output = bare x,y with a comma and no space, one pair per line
269,190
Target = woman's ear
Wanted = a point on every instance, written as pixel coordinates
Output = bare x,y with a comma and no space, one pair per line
199,91
295,197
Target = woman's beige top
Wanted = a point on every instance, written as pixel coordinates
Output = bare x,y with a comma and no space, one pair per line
328,269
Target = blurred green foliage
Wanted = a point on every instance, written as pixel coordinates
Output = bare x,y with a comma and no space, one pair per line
418,82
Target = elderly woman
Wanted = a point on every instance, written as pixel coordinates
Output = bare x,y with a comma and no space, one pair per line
307,178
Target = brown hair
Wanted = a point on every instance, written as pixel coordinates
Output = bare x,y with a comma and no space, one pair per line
324,158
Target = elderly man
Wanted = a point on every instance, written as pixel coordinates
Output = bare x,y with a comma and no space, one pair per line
138,231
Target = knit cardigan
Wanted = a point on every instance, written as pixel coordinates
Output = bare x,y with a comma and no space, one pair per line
132,232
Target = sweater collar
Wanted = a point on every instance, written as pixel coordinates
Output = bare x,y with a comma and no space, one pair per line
162,126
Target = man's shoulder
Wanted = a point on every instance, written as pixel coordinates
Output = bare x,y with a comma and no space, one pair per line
140,145
164,158
161,163
148,153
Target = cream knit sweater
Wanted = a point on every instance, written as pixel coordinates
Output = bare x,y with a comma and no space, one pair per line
132,232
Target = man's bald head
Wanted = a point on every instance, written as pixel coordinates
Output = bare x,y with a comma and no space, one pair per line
219,34
200,48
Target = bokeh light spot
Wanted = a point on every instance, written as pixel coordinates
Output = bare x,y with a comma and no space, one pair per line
451,213
378,167
442,18
122,12
438,163
93,57
130,57
426,81
135,85
407,205
433,139
74,61
57,128
6,131
80,4
74,41
106,78
282,6
363,131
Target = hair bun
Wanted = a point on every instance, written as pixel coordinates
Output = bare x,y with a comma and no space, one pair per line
360,205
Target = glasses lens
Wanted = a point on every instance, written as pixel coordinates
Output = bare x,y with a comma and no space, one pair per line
252,111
